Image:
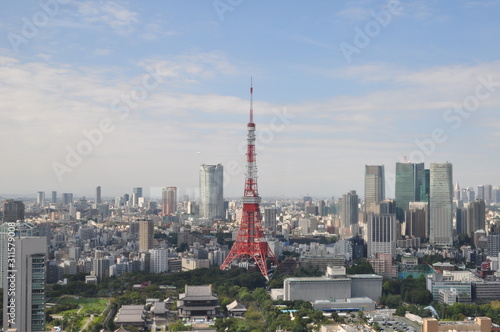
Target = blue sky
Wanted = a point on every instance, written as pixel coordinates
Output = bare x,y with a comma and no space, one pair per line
337,85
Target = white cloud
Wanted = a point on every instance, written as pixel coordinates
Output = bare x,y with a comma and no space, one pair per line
116,16
102,51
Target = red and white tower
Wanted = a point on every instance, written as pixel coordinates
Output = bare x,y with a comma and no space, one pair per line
251,243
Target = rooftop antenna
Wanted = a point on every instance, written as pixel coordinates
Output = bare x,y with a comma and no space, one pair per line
251,99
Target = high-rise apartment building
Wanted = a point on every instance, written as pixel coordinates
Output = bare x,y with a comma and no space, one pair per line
349,212
374,186
441,204
146,235
98,198
410,184
13,210
382,234
159,260
169,201
24,285
211,191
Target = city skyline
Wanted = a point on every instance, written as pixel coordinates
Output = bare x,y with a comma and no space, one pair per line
150,91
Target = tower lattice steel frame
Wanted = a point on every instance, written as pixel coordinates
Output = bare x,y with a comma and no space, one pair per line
251,243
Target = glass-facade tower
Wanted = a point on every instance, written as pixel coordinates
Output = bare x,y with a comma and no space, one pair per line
410,180
441,205
211,191
374,186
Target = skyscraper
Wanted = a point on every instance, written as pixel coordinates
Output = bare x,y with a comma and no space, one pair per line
67,198
480,192
476,217
409,181
456,192
54,197
169,201
382,234
13,210
270,219
441,205
416,220
374,186
24,285
12,229
137,191
40,198
146,235
349,212
98,198
211,191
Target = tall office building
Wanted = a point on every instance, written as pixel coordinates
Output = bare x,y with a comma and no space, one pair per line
456,192
493,245
382,234
468,195
485,192
40,198
146,235
349,212
98,198
270,219
136,194
11,229
374,186
211,191
476,217
13,210
441,205
169,201
137,191
410,178
54,197
416,220
24,285
461,220
495,195
480,192
67,198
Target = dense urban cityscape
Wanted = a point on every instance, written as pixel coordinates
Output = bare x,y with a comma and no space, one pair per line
146,187
432,229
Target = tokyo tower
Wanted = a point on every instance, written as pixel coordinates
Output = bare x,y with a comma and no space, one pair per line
251,243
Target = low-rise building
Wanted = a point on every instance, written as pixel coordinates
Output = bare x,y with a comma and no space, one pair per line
134,315
335,284
198,301
480,324
345,305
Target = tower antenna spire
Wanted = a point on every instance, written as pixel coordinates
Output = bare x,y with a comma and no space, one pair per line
251,243
251,99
